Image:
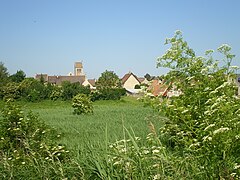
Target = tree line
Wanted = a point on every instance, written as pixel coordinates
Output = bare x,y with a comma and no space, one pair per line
19,87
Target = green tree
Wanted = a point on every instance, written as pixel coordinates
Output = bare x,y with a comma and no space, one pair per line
108,79
69,90
3,74
19,76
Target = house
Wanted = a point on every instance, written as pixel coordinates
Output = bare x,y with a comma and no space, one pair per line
130,80
160,88
78,76
156,88
90,82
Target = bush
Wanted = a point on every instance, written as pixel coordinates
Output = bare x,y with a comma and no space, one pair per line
82,104
69,90
108,94
11,90
203,122
29,148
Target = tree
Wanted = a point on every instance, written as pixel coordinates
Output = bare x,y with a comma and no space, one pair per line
148,77
19,76
3,74
108,79
69,90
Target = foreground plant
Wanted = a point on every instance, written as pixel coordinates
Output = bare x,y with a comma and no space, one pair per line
28,148
204,121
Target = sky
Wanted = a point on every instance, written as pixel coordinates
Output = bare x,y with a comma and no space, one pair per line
48,36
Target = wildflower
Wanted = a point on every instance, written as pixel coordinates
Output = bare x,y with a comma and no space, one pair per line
156,165
207,138
184,111
209,126
157,176
117,163
23,162
220,130
155,151
137,138
237,166
145,152
195,144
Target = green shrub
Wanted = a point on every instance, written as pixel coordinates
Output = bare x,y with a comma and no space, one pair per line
82,104
56,93
203,121
108,94
11,90
29,148
69,90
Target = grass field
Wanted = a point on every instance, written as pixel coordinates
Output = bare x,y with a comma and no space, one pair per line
94,130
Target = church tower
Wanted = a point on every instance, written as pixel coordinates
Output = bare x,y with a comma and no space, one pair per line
78,69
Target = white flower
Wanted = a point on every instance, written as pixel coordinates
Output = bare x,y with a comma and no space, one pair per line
237,166
23,163
155,151
116,163
220,130
145,152
207,138
209,126
157,176
184,111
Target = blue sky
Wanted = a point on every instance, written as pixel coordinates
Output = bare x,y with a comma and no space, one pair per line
48,36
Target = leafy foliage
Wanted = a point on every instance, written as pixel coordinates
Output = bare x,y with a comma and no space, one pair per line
82,104
69,90
204,120
108,80
19,76
3,74
28,146
108,87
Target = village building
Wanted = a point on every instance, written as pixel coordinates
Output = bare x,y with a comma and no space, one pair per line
132,83
130,80
90,82
78,76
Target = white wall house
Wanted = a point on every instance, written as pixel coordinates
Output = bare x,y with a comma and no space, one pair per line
89,82
129,81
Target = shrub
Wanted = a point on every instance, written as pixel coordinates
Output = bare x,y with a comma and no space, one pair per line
82,104
11,90
29,148
108,94
137,86
203,121
69,90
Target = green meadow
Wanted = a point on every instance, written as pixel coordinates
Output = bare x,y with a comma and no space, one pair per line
105,125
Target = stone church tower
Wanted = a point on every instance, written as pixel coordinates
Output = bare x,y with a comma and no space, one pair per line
78,69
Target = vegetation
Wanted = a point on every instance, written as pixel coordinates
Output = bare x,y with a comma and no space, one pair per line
198,137
28,148
82,104
108,80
